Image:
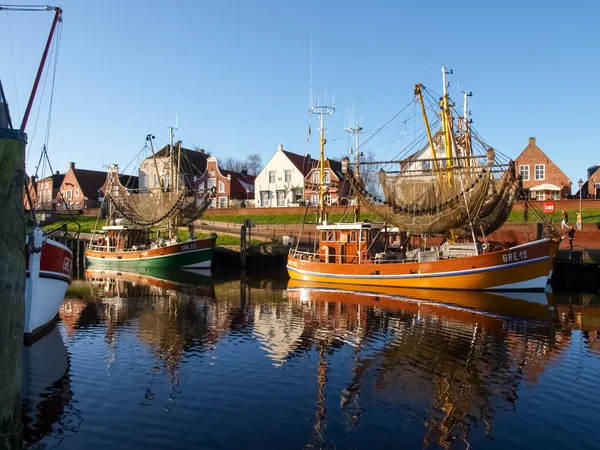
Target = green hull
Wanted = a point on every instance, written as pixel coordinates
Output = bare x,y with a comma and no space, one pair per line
199,259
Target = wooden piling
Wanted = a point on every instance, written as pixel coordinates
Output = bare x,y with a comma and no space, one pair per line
12,285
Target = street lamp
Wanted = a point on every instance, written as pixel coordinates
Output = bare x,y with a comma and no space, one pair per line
580,184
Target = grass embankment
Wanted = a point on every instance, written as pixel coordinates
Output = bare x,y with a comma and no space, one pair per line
284,219
588,216
89,223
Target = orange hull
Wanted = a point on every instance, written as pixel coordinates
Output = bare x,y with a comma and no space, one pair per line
524,267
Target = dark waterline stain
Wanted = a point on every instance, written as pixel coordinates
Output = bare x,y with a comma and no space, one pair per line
181,360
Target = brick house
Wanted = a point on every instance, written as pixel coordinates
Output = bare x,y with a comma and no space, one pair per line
233,189
79,189
43,192
120,183
191,168
541,177
591,186
337,189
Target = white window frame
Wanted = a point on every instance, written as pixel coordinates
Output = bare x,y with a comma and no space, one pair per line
288,176
280,197
211,183
327,198
540,195
264,198
213,203
326,177
543,172
69,194
221,187
222,202
271,176
521,171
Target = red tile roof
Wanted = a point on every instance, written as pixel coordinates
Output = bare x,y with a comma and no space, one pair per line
303,163
89,181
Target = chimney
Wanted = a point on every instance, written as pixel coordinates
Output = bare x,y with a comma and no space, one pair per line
201,150
531,141
57,172
244,173
307,156
280,148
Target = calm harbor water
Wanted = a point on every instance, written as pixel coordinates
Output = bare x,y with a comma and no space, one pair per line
180,360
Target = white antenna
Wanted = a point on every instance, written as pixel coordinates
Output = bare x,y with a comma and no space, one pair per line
444,73
466,112
310,99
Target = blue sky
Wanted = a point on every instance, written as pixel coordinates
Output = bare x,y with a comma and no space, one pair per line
237,74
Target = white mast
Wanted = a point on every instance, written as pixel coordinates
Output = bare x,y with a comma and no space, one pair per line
322,112
356,131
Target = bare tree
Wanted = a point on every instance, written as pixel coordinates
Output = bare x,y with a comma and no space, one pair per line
254,164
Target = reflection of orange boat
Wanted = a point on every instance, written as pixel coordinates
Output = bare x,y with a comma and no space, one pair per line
524,305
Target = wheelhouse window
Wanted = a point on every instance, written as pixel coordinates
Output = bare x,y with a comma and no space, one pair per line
353,236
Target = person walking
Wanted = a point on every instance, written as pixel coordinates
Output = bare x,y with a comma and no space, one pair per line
565,219
570,234
578,220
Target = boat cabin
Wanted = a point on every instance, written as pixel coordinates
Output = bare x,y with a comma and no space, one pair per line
356,243
119,238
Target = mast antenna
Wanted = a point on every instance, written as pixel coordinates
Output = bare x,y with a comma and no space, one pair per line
310,98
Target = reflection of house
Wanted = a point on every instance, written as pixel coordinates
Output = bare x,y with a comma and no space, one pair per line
44,192
281,182
591,186
191,167
79,189
336,189
541,177
232,189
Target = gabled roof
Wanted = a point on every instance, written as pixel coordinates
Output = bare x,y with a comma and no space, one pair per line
302,163
333,165
57,180
192,162
89,181
242,186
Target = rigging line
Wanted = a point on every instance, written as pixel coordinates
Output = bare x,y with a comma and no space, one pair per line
12,56
387,123
37,117
57,46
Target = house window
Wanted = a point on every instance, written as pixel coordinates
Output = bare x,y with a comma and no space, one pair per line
426,166
271,176
76,192
327,198
326,177
69,194
221,187
524,171
314,199
297,193
556,196
213,203
222,202
211,183
115,191
540,195
281,198
62,194
540,172
315,177
264,198
155,184
288,176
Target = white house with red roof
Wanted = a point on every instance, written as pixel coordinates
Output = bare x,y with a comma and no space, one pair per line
281,182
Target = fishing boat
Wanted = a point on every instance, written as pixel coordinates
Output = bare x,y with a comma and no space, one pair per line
48,259
131,238
438,206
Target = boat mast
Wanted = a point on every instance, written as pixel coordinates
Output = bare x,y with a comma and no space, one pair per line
436,166
466,123
446,119
172,226
356,131
322,112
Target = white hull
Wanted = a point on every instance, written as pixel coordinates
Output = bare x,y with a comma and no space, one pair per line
43,297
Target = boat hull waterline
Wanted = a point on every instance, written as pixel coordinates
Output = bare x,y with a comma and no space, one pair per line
48,276
524,267
195,254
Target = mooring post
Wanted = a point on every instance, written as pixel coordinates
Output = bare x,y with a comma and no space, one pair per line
243,247
12,284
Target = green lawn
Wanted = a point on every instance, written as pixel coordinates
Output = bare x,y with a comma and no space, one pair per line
284,219
588,216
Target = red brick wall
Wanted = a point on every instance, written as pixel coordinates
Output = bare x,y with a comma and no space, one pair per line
533,155
70,184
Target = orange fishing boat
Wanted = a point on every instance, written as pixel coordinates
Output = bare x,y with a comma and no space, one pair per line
455,189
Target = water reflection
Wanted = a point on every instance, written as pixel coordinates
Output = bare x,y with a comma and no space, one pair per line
186,360
46,396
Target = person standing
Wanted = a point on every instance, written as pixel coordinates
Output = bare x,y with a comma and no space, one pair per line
578,220
565,219
570,234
